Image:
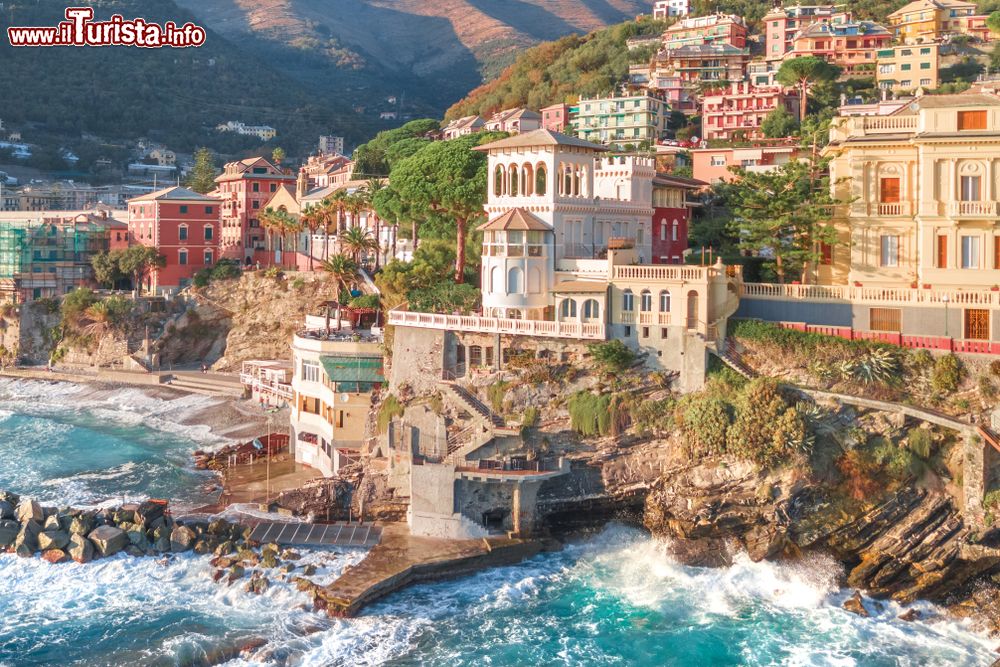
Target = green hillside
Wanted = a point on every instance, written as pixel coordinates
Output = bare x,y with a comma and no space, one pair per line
172,95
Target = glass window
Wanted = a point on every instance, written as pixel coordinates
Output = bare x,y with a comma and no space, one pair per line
182,233
310,371
970,252
567,308
970,188
184,209
182,257
591,309
645,301
209,232
628,301
664,301
889,255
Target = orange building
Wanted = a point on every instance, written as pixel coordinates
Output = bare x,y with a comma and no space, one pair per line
852,46
244,187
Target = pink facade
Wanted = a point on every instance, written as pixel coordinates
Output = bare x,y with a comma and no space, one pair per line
183,226
712,164
781,25
244,188
555,118
739,111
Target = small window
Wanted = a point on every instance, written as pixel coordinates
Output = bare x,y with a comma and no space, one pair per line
885,319
971,120
182,233
256,187
646,301
663,333
925,65
970,188
274,187
208,210
628,301
718,161
942,252
209,232
889,192
208,258
182,257
970,252
184,209
889,255
645,332
310,371
256,205
826,254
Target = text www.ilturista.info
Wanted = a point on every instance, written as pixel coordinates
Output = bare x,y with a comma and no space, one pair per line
79,29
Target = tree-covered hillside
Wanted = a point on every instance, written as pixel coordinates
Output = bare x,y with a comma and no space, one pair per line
172,95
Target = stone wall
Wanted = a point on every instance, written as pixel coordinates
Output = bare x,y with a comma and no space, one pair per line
417,359
432,495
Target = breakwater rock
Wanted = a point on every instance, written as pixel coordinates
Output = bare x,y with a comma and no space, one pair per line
142,529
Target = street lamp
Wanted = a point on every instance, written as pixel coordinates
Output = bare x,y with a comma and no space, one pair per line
945,299
267,453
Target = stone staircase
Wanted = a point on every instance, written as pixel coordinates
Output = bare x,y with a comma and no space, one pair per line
207,384
730,357
465,399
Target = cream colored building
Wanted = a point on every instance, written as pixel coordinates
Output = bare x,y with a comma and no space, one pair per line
334,377
923,184
907,67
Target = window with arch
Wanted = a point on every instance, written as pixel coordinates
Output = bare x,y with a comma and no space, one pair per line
209,232
515,280
208,258
567,308
645,301
498,181
494,278
540,176
628,301
567,181
182,257
182,233
591,309
665,301
513,181
528,179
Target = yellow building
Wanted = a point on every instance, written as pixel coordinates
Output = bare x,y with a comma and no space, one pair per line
923,186
924,21
907,67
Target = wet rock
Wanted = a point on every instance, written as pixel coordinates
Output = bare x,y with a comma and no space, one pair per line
222,562
218,527
224,549
182,539
51,523
288,568
124,514
303,584
202,547
8,532
26,542
80,548
162,544
8,497
134,551
236,572
258,584
137,537
309,570
52,539
108,540
855,605
82,524
7,510
289,554
30,509
910,615
54,556
148,512
269,559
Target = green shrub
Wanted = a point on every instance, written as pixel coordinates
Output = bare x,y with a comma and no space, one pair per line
273,272
298,284
765,428
987,389
364,301
947,374
899,462
920,442
497,392
589,414
995,367
990,502
654,416
530,417
922,359
704,421
390,408
612,356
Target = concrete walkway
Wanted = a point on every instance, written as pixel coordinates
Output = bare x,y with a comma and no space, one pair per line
401,559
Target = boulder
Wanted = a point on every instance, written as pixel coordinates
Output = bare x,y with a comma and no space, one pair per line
235,572
7,510
30,509
219,527
148,512
181,539
82,524
269,559
8,532
910,615
258,584
135,551
8,497
80,548
224,549
108,540
125,514
52,539
309,570
54,555
26,542
51,523
162,544
138,538
289,554
855,605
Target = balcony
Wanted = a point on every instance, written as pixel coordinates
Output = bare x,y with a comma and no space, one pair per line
883,209
658,318
498,325
972,209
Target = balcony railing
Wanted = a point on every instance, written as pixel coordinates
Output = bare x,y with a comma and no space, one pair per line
890,124
667,273
973,209
883,209
477,324
872,295
660,318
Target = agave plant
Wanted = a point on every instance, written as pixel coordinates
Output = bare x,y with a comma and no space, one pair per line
879,366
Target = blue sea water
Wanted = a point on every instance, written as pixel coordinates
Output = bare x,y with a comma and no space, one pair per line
613,598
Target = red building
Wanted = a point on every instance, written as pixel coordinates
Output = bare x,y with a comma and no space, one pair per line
671,215
183,226
738,111
555,117
244,189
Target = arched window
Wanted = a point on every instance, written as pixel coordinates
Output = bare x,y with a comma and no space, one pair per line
513,181
628,301
515,280
209,232
540,175
591,309
567,308
645,301
528,179
494,278
182,233
665,301
692,314
567,181
498,181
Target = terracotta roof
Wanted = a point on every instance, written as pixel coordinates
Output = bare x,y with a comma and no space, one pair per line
516,219
956,100
581,287
540,138
175,193
918,5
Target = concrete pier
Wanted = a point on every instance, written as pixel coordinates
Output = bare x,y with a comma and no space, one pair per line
401,559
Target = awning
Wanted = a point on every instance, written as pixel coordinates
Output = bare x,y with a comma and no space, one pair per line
353,368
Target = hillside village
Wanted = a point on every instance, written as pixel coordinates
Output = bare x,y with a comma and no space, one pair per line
751,287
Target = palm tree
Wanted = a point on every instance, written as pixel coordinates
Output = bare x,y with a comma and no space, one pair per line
341,269
277,221
312,219
355,204
98,317
370,191
357,241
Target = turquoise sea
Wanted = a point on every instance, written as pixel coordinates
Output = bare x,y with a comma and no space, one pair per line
614,598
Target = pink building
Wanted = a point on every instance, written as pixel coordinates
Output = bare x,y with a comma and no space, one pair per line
851,46
781,24
711,165
555,118
671,217
183,226
244,189
713,29
514,121
738,111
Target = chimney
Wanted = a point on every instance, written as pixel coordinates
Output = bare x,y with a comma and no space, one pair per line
301,185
